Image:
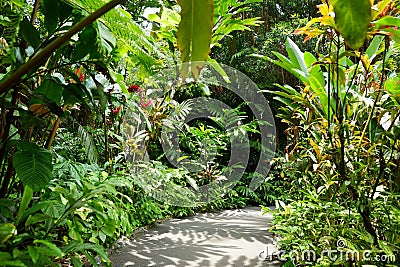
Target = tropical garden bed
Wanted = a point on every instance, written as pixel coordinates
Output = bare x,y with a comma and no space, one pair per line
86,106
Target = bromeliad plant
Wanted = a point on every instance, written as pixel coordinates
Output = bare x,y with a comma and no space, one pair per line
342,160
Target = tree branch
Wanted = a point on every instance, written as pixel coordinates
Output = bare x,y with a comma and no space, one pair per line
15,77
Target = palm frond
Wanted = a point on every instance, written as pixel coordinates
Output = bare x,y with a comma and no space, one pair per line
132,38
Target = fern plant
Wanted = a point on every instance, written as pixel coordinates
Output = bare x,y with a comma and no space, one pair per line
11,14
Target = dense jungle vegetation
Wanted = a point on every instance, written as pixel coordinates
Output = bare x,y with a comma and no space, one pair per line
72,70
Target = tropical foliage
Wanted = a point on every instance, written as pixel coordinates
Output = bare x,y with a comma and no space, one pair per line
70,71
81,155
341,163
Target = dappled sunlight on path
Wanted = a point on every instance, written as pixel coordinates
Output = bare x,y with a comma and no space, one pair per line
227,238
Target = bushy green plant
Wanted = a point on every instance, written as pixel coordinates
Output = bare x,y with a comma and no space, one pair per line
81,210
342,156
68,68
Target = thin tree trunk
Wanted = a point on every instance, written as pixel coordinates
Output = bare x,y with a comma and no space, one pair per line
34,12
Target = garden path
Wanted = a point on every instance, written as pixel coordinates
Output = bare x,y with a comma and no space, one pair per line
226,238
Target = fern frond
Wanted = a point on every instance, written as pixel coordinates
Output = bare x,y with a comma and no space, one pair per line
10,17
89,144
242,53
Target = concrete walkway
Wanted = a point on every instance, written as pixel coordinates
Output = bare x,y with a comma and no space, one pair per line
227,238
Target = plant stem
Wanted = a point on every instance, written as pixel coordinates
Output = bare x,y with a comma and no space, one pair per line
65,213
9,116
50,139
38,58
34,12
106,156
387,42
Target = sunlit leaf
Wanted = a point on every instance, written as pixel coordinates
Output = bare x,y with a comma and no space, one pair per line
352,20
392,86
296,56
7,230
195,30
388,21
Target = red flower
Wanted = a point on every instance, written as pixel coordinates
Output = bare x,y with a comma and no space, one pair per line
135,88
115,111
143,104
79,73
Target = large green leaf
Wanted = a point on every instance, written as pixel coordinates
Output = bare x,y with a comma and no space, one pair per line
352,19
106,39
392,86
287,65
47,97
50,12
51,89
30,33
64,10
26,199
374,46
33,165
195,30
53,249
75,93
296,56
388,21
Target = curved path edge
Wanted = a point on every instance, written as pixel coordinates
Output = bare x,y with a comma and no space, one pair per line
237,237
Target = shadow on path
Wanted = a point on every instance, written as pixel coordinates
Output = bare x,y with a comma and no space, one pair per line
227,238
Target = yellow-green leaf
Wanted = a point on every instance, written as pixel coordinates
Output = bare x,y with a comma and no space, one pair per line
7,230
195,31
352,19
